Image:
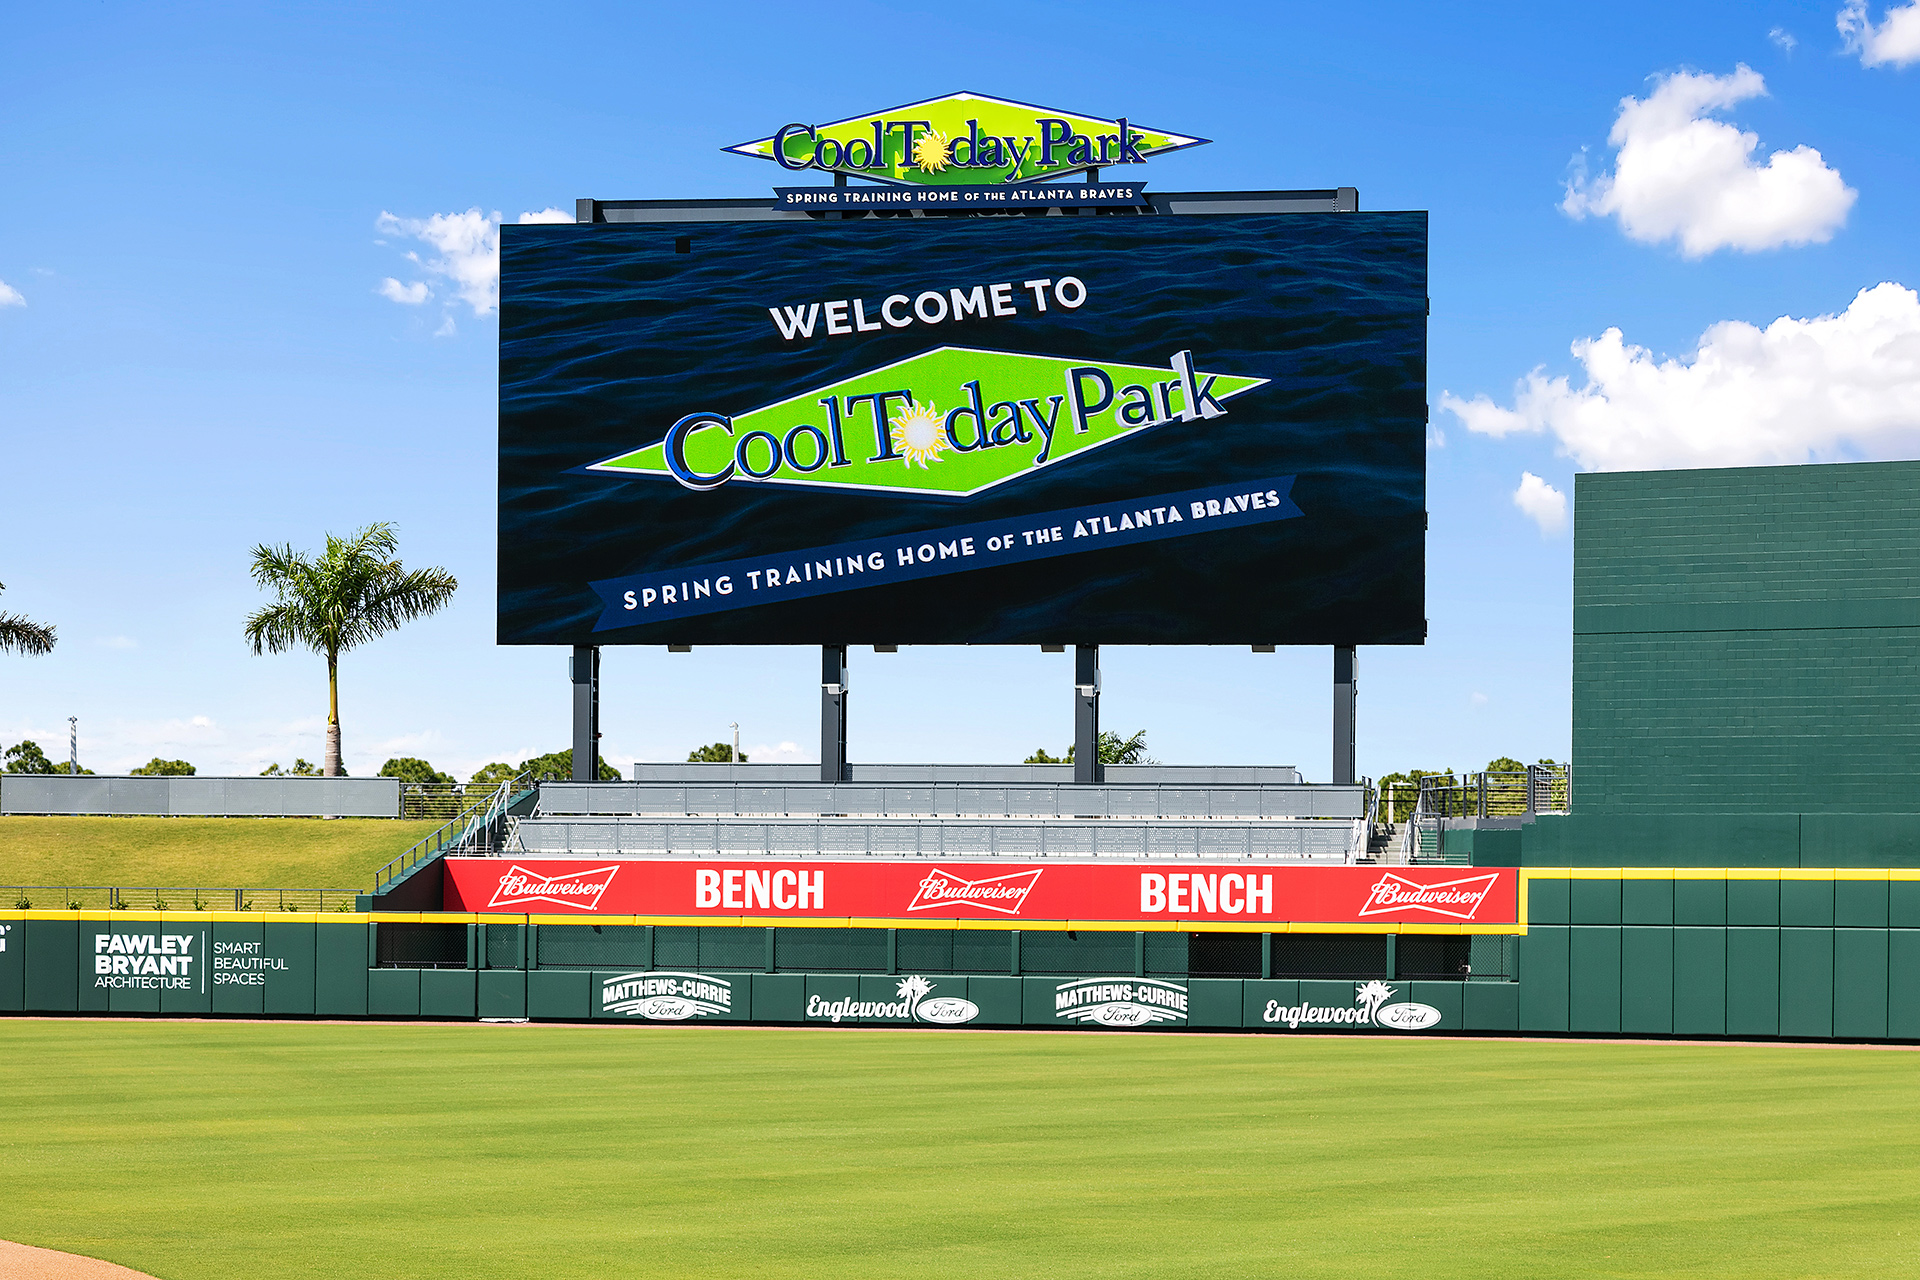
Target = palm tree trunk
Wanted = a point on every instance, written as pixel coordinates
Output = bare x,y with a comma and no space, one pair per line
331,767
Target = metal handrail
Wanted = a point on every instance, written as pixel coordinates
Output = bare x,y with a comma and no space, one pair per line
63,897
1050,799
1496,793
466,831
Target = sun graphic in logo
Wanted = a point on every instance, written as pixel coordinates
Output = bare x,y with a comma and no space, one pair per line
917,434
930,151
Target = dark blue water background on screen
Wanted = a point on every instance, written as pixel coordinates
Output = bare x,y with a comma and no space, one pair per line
608,335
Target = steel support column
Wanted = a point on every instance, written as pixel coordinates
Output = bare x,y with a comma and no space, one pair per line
1344,699
833,713
1086,714
585,673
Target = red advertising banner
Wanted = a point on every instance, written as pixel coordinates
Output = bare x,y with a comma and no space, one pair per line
1135,891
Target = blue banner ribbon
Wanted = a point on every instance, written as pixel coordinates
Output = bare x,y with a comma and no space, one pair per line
666,594
1026,195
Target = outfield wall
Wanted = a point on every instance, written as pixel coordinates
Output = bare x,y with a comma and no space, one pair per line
1819,954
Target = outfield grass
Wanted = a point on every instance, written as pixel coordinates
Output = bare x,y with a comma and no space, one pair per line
228,1149
277,853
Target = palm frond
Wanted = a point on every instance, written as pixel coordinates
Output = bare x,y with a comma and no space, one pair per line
352,592
22,635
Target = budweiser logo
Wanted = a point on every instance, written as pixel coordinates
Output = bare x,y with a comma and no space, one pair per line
576,890
1004,894
1454,899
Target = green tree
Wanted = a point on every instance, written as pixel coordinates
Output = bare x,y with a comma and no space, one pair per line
158,768
1505,764
1402,790
717,753
413,769
1112,749
26,757
559,764
301,769
66,766
21,634
492,775
353,592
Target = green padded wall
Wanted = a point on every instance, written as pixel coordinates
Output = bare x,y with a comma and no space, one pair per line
1747,641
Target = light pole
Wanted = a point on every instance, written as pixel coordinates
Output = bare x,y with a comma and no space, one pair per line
735,758
73,746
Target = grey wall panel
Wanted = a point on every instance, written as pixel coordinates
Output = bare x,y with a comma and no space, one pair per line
201,797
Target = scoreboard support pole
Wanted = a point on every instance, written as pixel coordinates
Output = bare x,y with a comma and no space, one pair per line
585,672
1345,699
1086,714
833,713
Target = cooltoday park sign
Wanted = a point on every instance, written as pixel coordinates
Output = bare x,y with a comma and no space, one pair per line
964,148
1151,428
1364,897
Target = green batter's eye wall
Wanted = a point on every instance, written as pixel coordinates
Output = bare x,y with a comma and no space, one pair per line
1745,953
1746,646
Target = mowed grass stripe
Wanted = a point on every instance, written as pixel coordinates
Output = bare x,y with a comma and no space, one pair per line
238,853
221,1149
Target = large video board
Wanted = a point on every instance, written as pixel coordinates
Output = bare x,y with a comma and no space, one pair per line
1074,430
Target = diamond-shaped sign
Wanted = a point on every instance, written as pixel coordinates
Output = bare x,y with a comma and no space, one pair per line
947,423
963,139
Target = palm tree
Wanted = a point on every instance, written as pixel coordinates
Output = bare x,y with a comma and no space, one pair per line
353,592
23,634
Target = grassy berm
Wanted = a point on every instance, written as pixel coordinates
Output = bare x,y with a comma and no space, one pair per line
271,853
208,1149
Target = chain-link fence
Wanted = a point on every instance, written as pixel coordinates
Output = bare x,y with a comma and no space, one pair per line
442,801
1496,793
67,897
1047,952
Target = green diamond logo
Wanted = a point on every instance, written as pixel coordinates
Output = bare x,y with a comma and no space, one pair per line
948,423
963,139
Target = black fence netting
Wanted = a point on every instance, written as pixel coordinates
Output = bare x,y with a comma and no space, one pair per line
719,947
1223,955
420,946
1330,955
1067,953
1075,953
589,946
502,946
1433,956
954,950
1490,957
830,950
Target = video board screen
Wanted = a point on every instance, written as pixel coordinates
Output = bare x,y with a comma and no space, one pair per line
1057,430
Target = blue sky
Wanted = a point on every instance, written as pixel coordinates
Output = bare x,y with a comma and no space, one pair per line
196,354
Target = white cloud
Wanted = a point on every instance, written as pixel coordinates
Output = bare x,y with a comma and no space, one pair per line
1783,38
10,296
1541,503
409,295
1680,175
1833,387
784,753
1895,41
1477,699
468,249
